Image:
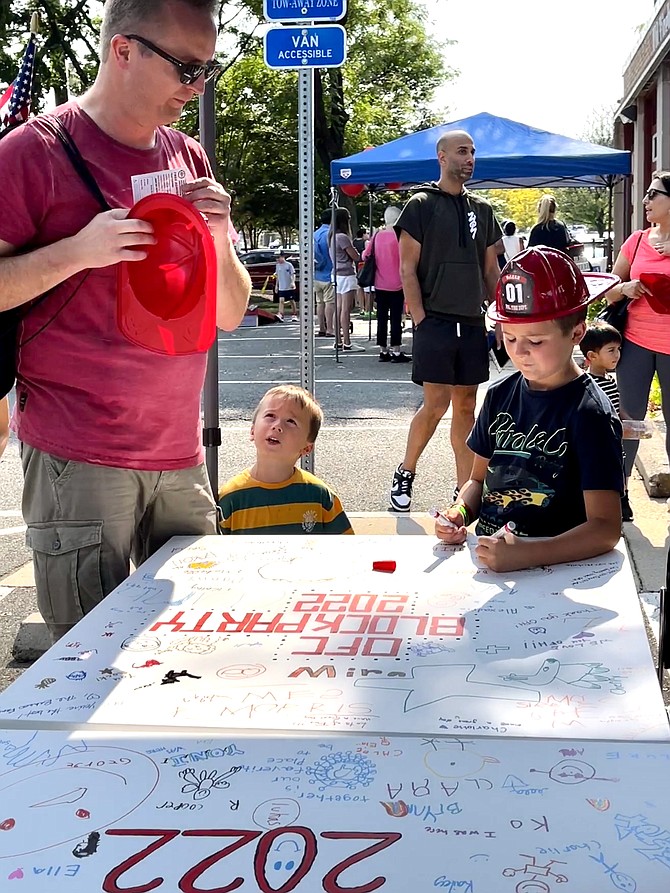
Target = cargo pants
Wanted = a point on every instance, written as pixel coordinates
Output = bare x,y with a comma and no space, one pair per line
86,522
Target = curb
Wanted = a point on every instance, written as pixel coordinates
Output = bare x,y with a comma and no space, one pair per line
652,463
32,639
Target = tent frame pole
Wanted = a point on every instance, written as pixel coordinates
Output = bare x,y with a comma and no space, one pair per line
333,233
610,200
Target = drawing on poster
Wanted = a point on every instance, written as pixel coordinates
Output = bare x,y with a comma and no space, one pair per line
572,772
452,681
620,880
52,797
141,643
87,847
533,871
342,770
453,758
333,813
459,651
587,675
201,784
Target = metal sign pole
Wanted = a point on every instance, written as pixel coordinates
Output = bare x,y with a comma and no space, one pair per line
306,224
211,431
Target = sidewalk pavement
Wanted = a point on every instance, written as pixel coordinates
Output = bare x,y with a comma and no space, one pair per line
646,538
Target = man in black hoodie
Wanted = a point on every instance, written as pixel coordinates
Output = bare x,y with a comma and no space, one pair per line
449,270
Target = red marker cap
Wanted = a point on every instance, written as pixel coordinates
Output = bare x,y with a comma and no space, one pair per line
386,566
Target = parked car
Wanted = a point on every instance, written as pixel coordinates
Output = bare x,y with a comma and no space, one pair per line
265,256
258,256
261,263
578,231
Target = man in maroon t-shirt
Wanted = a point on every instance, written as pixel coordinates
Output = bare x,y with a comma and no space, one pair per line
110,432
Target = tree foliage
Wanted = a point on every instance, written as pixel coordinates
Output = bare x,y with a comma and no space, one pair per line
383,91
67,46
519,205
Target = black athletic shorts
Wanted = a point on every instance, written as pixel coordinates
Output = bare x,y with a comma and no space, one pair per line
445,352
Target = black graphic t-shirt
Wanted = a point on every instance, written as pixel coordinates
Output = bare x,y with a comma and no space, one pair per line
544,449
454,232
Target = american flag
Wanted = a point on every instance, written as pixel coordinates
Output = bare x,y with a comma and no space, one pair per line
15,101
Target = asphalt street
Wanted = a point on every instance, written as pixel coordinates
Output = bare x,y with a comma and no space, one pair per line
367,405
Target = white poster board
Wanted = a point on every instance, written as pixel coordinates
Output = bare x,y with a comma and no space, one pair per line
85,812
301,633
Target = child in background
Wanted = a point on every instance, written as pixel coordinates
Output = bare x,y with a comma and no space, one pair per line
273,496
601,346
285,276
547,441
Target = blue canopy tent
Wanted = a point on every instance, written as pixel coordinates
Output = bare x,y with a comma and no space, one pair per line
509,155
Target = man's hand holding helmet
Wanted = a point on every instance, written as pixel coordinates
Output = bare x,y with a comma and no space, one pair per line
212,200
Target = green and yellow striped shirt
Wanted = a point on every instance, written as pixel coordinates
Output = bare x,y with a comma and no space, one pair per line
302,504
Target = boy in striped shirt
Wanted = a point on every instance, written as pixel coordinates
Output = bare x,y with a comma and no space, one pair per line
273,496
601,346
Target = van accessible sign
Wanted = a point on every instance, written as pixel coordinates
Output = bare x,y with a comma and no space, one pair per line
324,46
307,10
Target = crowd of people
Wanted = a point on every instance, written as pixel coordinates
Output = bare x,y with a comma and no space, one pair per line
111,471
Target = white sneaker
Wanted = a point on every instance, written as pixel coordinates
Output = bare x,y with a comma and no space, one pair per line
294,319
401,490
354,347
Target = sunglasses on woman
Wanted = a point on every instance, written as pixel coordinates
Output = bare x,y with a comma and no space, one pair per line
189,72
652,193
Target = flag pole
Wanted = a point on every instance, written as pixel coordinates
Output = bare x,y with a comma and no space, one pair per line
16,100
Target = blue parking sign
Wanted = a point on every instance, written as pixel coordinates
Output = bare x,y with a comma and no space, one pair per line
305,10
322,46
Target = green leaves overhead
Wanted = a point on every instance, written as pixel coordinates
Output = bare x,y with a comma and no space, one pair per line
384,90
67,48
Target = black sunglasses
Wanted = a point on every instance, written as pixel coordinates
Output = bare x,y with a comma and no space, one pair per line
652,193
189,72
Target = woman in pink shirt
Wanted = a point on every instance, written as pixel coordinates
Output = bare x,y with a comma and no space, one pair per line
388,289
646,343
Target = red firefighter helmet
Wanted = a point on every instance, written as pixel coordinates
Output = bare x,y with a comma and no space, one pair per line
659,291
167,301
541,284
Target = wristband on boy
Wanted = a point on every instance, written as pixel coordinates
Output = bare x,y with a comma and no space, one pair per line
465,514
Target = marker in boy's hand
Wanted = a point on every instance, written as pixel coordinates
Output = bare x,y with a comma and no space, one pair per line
510,527
441,519
491,550
450,526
